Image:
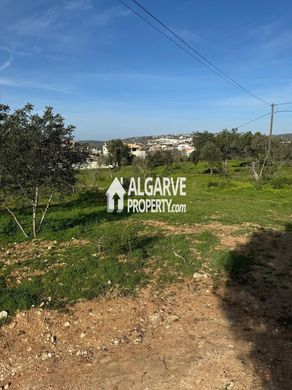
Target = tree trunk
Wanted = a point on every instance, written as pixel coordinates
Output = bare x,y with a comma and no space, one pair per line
255,174
15,218
45,212
34,212
226,166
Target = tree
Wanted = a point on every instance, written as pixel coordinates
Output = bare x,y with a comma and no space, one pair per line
201,138
38,158
212,154
118,153
227,142
160,157
194,157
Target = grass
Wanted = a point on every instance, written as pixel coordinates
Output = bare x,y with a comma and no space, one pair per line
83,252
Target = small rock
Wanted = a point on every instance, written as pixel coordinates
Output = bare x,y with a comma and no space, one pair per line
138,340
154,317
173,318
82,335
197,275
67,323
12,325
3,315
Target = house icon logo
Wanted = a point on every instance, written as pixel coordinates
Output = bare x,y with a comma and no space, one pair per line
115,193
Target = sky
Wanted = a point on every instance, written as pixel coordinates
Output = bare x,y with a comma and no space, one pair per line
113,76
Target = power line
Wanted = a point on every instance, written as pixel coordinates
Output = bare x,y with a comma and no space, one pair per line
260,117
167,36
253,120
283,104
203,60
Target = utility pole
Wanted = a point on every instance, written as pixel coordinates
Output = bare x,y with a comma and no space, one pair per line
266,159
271,130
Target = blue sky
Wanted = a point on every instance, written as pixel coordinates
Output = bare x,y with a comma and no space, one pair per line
113,76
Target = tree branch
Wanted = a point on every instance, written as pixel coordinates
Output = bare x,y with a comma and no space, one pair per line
45,212
15,218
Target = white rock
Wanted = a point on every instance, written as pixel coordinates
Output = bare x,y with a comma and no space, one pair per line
82,335
67,323
197,275
3,314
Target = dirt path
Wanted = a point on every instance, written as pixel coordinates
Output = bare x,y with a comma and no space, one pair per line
174,339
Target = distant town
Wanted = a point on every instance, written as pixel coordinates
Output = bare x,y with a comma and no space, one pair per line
141,146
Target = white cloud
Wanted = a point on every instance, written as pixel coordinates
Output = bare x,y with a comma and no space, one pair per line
36,25
77,4
34,84
8,61
105,16
188,35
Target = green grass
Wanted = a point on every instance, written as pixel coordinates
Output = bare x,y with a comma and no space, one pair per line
122,252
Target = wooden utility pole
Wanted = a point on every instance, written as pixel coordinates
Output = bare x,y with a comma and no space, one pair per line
271,130
266,159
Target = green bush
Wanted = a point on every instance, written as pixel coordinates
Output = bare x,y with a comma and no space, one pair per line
281,182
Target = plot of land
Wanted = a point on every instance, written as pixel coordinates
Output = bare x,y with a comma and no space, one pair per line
200,300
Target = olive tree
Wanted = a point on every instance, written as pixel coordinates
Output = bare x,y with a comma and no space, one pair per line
38,159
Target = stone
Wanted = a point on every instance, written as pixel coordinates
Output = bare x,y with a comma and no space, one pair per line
12,325
197,275
3,314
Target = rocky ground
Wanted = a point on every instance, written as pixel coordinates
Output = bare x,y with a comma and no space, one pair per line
179,338
198,334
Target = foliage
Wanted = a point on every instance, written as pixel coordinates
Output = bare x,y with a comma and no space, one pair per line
264,155
212,154
38,158
118,153
161,157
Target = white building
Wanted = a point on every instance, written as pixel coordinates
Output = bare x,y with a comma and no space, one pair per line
137,151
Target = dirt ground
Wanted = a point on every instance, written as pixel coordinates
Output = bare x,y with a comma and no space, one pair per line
178,338
190,335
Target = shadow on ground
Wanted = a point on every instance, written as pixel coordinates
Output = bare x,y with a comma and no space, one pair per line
257,299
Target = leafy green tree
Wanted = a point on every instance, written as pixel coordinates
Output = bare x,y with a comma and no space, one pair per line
38,158
160,157
227,142
212,155
201,138
194,157
118,153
